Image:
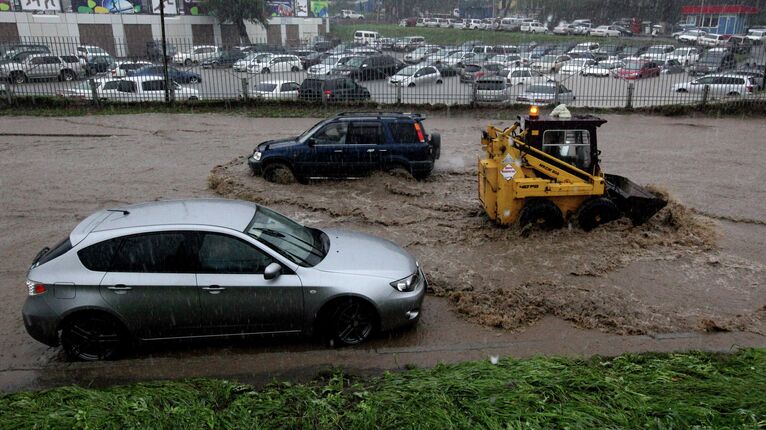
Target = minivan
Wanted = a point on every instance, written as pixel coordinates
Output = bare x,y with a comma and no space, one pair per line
366,37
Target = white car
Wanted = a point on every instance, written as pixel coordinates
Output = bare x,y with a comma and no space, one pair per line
564,28
758,36
254,58
277,90
144,89
276,64
576,65
329,64
442,22
722,84
658,52
522,76
492,89
419,54
350,14
685,55
459,57
603,68
584,47
713,40
430,22
473,24
509,60
122,68
690,36
605,31
546,94
417,75
458,23
196,55
550,63
534,27
87,51
83,91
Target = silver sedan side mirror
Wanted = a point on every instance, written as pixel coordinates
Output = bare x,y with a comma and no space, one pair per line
272,271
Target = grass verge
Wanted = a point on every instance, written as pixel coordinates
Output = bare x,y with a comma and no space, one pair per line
689,390
54,107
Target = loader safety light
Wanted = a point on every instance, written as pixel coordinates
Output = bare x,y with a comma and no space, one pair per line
534,112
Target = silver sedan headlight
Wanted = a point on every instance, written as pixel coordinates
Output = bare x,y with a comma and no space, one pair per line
407,284
257,155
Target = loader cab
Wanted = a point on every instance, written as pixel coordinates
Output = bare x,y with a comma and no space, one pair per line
572,140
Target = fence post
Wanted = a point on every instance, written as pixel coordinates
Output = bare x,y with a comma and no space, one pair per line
629,102
245,92
8,88
473,93
556,94
94,91
705,95
399,94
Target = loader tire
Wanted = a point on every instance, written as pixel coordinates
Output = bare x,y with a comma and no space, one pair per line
540,213
595,212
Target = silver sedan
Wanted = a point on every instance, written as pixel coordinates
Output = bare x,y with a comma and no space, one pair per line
202,268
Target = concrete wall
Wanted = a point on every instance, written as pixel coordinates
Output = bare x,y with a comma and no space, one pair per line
178,27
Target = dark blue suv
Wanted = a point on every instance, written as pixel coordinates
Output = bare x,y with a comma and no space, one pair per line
350,145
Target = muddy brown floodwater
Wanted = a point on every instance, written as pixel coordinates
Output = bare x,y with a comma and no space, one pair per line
695,268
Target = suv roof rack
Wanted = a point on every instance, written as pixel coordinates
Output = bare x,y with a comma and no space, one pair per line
380,114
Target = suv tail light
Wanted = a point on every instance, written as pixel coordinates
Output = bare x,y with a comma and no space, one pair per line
328,92
749,88
35,288
419,130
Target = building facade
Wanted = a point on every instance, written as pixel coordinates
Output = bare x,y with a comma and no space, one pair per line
719,19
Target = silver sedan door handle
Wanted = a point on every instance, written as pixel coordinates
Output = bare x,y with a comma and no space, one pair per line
214,289
119,288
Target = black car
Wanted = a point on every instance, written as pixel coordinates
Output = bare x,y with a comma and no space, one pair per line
713,61
224,60
333,89
350,145
154,51
96,64
372,67
445,69
313,59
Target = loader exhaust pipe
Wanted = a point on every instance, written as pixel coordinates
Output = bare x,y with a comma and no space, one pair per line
635,201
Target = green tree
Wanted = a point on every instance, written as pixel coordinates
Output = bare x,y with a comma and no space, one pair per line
239,11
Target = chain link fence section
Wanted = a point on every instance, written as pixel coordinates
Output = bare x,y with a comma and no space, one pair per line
126,71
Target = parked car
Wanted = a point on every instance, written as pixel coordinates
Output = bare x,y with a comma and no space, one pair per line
253,59
533,27
739,44
713,61
350,145
225,59
509,60
276,90
276,64
350,14
82,90
459,58
445,70
522,76
174,74
726,84
492,89
757,36
671,66
329,64
691,36
154,51
85,51
632,52
546,94
196,55
605,51
333,89
98,63
419,54
369,68
363,37
550,63
430,22
313,59
473,24
13,52
605,31
685,55
177,269
39,66
146,89
575,66
713,40
563,29
603,68
471,72
123,68
638,69
417,75
658,52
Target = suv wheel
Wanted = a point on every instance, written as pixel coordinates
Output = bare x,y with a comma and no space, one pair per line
18,77
265,70
279,173
92,337
194,80
294,69
188,62
67,75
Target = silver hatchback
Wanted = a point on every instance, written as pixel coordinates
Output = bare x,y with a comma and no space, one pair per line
208,268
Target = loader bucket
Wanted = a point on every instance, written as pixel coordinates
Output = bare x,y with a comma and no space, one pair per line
635,201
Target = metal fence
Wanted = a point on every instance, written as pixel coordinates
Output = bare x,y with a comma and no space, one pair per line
61,67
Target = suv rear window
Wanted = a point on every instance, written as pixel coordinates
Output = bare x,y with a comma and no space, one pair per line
403,132
60,249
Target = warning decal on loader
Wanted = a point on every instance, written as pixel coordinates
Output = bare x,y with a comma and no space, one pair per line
508,172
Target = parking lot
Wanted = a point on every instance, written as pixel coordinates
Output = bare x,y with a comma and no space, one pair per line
696,269
599,92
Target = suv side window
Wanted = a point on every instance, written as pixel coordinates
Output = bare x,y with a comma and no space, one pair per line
98,257
403,132
331,134
366,133
166,252
153,85
219,253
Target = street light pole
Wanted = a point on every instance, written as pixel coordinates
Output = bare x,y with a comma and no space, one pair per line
164,52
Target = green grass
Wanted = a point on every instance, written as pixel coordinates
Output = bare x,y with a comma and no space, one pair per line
691,390
451,36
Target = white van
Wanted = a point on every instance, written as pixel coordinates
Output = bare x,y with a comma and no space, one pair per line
366,37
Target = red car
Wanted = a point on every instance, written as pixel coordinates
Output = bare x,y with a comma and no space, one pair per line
638,69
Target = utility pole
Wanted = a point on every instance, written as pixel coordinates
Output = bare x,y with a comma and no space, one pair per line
164,52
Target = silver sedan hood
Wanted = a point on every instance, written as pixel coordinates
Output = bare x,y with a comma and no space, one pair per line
359,253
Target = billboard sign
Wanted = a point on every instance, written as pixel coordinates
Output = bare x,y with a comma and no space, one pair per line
106,6
319,9
280,8
40,5
301,7
170,6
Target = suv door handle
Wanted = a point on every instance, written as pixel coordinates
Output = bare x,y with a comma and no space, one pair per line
371,150
214,289
119,288
382,150
338,150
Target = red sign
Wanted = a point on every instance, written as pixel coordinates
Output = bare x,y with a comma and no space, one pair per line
719,10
